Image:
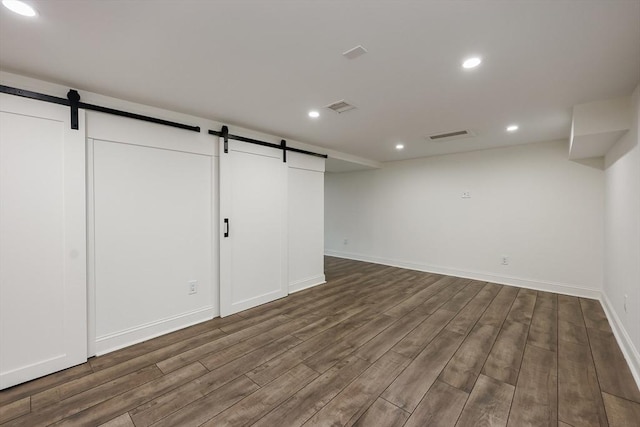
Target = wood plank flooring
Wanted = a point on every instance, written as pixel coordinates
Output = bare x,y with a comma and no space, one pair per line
375,346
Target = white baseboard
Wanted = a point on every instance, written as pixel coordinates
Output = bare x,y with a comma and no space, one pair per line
299,285
561,288
127,337
629,350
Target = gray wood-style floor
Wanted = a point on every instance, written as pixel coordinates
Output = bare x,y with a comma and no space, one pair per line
375,346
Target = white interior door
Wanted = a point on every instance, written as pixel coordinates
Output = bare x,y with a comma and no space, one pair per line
305,194
43,320
253,237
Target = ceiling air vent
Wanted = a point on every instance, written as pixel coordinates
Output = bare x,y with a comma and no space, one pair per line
355,52
448,136
340,106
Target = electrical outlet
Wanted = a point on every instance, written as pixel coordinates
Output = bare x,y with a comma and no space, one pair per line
505,260
345,242
466,195
193,287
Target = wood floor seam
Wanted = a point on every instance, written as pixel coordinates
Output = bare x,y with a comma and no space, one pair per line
496,339
391,403
96,386
566,423
593,359
557,404
519,371
249,378
621,397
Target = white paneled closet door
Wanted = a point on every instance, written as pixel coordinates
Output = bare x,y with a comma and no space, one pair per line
43,317
253,232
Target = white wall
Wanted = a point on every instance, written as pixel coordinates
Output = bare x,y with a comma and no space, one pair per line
306,221
622,238
527,202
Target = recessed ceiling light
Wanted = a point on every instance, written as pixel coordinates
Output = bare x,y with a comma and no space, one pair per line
471,62
19,7
512,128
399,146
314,114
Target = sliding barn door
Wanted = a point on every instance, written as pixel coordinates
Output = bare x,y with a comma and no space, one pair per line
43,320
253,243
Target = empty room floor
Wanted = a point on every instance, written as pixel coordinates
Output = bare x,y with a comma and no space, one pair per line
375,346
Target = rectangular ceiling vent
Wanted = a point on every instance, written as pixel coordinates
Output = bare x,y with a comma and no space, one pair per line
340,106
448,136
355,52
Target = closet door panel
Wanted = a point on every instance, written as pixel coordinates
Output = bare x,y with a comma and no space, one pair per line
43,320
253,245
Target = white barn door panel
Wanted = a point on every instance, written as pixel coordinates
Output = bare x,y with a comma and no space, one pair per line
306,221
151,230
253,235
43,318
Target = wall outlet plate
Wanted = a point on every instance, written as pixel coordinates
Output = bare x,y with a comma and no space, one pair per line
192,287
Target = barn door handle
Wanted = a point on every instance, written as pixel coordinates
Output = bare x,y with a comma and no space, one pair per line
226,227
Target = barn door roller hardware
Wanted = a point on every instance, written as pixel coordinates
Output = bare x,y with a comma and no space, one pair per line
225,134
73,101
282,146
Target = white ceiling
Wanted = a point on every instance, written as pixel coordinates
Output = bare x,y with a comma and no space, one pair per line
265,64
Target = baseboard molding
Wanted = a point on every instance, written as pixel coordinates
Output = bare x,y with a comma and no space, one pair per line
629,350
127,337
306,283
561,288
